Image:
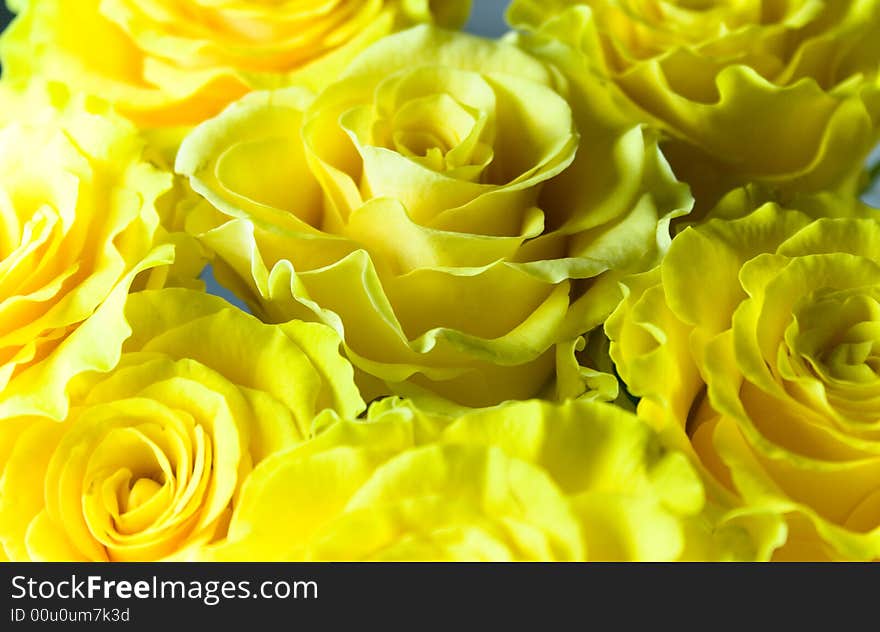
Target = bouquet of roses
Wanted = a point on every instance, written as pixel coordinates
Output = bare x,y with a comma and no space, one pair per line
601,289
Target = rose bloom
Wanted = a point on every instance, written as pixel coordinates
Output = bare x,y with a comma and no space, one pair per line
762,361
78,224
179,62
149,459
785,94
519,482
451,206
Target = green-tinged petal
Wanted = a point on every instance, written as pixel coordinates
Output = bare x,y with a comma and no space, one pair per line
452,206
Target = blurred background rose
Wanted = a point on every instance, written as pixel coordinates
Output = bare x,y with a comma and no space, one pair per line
487,17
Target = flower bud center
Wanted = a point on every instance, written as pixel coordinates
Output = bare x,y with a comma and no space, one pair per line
840,336
141,492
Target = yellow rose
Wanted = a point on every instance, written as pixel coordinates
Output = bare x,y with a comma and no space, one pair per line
77,225
151,456
762,361
170,63
782,93
449,206
523,481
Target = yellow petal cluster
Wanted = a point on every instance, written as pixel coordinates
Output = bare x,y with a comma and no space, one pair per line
78,223
178,62
785,93
523,481
451,206
151,456
763,362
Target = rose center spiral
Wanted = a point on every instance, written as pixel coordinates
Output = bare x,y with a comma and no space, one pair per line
839,336
141,492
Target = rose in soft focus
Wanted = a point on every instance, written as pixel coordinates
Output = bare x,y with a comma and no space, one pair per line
451,206
150,458
763,362
78,224
522,481
781,93
744,200
179,62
